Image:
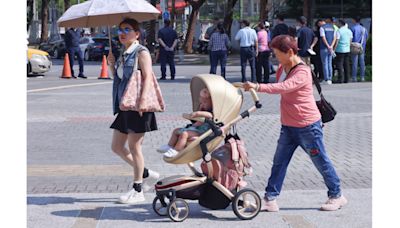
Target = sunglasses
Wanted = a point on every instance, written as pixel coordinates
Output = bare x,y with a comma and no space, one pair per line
124,31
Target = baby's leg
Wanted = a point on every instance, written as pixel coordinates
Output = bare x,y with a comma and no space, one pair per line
183,138
174,137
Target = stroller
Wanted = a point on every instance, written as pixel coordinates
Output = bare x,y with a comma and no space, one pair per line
204,186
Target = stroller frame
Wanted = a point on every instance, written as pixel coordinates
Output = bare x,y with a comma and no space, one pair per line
171,191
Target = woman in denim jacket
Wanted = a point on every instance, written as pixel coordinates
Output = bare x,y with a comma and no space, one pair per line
130,126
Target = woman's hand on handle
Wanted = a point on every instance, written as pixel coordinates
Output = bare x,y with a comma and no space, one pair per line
249,85
111,59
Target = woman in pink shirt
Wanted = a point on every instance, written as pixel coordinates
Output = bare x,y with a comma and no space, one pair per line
262,61
301,125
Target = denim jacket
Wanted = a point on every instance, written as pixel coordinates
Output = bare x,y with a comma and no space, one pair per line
127,61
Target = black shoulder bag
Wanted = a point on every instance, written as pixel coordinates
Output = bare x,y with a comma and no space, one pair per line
327,111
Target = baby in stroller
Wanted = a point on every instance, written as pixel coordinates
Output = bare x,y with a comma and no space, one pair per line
180,136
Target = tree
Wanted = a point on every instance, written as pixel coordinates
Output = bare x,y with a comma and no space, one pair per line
229,16
172,12
45,19
67,4
29,11
196,4
263,10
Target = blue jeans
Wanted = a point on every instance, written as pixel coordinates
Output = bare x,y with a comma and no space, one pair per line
326,59
218,56
310,138
71,55
167,57
358,59
248,53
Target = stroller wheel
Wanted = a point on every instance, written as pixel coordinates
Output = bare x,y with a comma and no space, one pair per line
160,205
246,204
178,210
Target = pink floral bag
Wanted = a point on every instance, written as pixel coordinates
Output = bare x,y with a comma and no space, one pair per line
152,101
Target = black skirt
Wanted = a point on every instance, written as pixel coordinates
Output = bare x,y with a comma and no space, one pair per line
131,122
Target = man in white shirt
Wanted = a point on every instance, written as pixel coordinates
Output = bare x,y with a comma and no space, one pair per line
248,49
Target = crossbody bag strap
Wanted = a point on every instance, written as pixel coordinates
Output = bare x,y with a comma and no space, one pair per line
316,82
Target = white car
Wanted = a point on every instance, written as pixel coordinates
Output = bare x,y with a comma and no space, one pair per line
39,62
83,44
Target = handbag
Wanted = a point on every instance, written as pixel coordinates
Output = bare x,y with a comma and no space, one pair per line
326,109
152,100
357,48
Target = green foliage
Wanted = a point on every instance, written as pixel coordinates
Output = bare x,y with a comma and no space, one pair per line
368,51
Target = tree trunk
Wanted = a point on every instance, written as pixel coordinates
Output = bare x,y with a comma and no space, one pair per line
67,4
263,10
306,11
192,24
151,38
45,19
229,16
30,10
172,12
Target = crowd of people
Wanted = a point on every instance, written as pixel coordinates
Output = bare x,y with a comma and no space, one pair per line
327,48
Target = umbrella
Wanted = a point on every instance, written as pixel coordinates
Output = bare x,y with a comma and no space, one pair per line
107,13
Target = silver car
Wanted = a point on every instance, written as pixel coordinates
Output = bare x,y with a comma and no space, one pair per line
39,62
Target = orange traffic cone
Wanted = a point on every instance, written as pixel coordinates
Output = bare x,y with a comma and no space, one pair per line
104,69
67,68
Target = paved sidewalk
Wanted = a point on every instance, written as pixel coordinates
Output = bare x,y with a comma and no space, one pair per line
299,209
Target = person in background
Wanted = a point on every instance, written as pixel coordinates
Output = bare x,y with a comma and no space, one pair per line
301,126
281,28
360,35
248,49
305,37
130,126
328,39
342,49
72,37
315,47
168,39
219,45
267,28
263,54
207,36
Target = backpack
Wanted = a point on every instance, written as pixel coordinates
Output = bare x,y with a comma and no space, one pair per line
230,163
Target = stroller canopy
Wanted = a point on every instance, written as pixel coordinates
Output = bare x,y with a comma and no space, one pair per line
227,100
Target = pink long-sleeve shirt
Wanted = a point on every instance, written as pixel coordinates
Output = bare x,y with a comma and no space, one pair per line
298,108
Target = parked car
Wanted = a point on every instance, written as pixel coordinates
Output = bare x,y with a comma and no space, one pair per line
55,47
38,62
83,44
100,47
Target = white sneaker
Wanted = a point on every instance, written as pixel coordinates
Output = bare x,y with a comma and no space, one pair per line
163,148
170,153
150,181
132,197
329,82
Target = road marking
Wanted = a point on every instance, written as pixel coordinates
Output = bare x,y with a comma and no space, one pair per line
67,87
297,221
88,217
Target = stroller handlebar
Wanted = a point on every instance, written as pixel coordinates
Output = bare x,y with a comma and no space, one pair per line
253,94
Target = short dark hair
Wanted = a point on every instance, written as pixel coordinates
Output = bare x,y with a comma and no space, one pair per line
341,22
167,22
245,22
280,17
132,22
284,43
261,25
220,27
357,18
302,20
317,22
